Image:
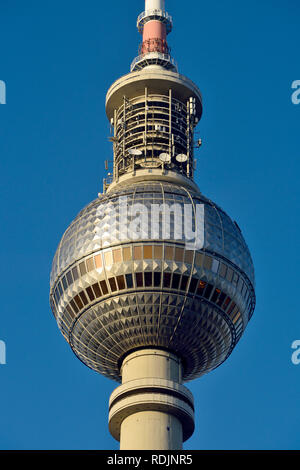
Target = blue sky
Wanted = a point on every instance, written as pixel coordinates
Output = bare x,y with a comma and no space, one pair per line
58,59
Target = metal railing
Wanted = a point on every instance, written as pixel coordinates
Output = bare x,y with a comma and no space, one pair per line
156,13
153,57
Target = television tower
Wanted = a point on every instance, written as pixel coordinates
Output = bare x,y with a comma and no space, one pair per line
136,299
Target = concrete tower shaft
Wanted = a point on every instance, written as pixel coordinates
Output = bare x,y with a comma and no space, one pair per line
151,409
152,311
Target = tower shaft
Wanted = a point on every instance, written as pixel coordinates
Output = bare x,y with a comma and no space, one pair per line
151,409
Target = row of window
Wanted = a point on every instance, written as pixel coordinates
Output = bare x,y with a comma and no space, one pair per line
149,252
154,279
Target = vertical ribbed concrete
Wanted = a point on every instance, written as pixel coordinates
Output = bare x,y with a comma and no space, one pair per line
151,430
151,410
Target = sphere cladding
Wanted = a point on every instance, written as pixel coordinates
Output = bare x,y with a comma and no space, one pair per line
111,294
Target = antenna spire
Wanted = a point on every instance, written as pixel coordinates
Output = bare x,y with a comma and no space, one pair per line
154,24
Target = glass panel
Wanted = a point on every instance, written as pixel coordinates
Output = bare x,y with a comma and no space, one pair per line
90,264
158,251
75,273
82,268
98,261
157,279
78,302
221,299
215,266
234,312
193,285
117,256
179,252
201,287
184,282
231,307
176,280
56,296
199,259
137,252
239,329
226,303
189,256
74,306
215,295
148,279
64,283
69,278
90,293
235,278
113,284
148,252
127,253
83,298
167,280
207,262
229,274
223,270
108,258
71,313
129,281
139,279
208,290
103,287
121,282
169,252
59,290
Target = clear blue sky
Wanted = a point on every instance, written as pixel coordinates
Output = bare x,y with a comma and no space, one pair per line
58,59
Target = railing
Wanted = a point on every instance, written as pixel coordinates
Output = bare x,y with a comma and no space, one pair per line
152,124
156,57
155,13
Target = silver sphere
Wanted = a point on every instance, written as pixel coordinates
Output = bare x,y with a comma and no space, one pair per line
112,295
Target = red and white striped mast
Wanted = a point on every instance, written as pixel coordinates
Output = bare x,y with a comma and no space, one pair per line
154,24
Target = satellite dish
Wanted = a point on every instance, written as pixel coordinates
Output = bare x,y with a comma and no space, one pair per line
135,152
164,157
181,158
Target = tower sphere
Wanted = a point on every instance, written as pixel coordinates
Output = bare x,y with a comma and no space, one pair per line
111,294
